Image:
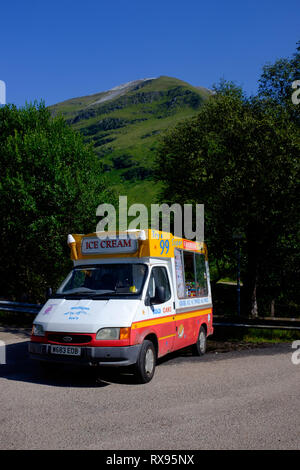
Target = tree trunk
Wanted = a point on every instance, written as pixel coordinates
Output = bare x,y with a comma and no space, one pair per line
254,308
251,278
273,308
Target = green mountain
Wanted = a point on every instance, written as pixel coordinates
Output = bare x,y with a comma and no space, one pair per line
124,125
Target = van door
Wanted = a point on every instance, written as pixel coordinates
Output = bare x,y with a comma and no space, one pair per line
194,301
161,308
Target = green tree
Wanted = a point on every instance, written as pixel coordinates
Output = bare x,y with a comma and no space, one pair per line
51,184
275,83
240,157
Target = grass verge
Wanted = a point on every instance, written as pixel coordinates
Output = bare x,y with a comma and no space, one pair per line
227,339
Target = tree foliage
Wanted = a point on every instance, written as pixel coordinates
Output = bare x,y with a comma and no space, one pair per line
240,157
51,184
275,83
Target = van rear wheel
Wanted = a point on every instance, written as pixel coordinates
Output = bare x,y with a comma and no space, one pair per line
145,366
199,349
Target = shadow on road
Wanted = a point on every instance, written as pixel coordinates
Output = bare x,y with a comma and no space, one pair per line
19,367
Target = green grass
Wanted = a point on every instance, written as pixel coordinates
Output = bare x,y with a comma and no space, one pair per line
255,335
271,335
145,192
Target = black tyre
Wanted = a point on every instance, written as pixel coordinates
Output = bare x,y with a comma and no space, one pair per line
199,349
145,366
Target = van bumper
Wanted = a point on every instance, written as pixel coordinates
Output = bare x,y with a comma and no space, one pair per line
102,356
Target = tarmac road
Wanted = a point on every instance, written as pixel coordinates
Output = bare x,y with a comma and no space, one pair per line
234,400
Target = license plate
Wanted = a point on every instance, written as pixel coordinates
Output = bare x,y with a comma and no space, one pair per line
66,350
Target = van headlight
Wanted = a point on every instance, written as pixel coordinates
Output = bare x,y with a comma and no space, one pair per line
108,333
37,330
113,333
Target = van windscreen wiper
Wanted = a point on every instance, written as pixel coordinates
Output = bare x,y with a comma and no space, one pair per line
79,290
103,293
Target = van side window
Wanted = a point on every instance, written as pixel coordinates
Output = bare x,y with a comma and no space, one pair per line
159,278
191,275
201,277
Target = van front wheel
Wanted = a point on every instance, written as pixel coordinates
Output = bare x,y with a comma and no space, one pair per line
199,349
145,366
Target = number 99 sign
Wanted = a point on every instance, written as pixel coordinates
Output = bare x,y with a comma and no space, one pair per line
164,245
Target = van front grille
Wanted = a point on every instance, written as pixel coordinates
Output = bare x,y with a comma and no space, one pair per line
66,338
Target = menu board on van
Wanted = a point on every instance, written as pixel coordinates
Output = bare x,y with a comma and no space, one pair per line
179,274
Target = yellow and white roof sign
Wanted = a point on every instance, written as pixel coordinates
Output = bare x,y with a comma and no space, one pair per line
140,243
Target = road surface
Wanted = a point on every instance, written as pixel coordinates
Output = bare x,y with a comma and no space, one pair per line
235,400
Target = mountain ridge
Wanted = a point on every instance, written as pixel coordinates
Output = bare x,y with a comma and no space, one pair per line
124,125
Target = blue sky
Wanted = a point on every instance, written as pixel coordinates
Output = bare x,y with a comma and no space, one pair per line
56,50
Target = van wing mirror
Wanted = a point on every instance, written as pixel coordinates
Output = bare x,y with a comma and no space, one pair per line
160,295
159,298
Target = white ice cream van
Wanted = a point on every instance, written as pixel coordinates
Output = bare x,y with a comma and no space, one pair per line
130,298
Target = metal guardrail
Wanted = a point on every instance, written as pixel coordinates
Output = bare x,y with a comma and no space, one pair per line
35,308
245,325
20,307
